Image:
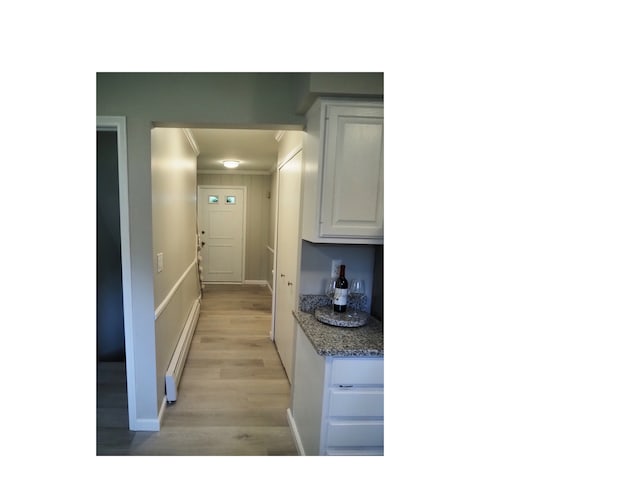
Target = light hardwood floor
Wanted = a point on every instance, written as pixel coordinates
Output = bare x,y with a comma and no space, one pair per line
233,394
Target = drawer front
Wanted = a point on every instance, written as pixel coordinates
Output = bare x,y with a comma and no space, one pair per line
360,403
357,371
355,434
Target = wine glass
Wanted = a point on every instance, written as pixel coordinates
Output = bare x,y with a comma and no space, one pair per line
356,292
330,288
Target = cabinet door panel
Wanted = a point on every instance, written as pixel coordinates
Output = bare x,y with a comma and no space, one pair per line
353,179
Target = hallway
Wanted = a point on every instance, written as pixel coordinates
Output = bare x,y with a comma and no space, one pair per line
234,393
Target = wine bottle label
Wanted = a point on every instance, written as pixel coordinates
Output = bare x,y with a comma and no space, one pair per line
340,296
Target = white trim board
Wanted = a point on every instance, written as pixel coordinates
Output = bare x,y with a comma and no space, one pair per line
173,290
256,282
294,432
148,424
192,141
119,125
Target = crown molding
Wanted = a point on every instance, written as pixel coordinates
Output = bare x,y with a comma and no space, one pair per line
192,141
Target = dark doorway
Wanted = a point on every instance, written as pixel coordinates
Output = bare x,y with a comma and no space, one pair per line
110,315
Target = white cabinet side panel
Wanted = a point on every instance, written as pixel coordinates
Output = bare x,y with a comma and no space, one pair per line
308,393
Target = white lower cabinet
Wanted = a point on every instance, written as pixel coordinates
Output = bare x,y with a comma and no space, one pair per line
337,405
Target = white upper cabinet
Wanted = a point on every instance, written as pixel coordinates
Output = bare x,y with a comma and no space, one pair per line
343,183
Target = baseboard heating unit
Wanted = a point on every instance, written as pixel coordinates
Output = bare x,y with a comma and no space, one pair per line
179,358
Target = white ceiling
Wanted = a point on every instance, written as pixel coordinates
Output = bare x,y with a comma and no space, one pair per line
257,150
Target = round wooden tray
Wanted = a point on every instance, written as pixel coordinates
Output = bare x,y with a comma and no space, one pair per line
350,318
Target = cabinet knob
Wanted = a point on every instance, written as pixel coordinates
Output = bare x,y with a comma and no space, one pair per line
282,275
289,283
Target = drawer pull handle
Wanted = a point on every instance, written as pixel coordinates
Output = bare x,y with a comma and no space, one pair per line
346,386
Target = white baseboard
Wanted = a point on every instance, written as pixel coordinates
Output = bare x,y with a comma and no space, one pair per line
294,432
148,424
163,409
259,282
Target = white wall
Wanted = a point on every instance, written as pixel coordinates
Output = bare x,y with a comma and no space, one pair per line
315,265
176,287
352,84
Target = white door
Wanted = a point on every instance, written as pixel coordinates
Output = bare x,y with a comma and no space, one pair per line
221,212
287,248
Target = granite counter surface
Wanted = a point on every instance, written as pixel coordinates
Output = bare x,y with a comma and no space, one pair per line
327,340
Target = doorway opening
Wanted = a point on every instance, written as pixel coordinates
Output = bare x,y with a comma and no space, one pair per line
111,392
114,317
119,292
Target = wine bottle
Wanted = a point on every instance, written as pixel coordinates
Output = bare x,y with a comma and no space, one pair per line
341,292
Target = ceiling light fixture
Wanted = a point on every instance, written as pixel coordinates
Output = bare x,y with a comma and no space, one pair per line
231,163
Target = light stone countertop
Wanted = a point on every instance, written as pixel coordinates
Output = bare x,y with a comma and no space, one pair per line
328,340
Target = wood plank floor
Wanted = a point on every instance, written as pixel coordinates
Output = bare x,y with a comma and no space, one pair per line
233,394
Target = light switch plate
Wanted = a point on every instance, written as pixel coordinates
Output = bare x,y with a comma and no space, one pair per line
160,262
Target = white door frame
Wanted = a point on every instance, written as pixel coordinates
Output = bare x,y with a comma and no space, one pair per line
244,222
118,124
